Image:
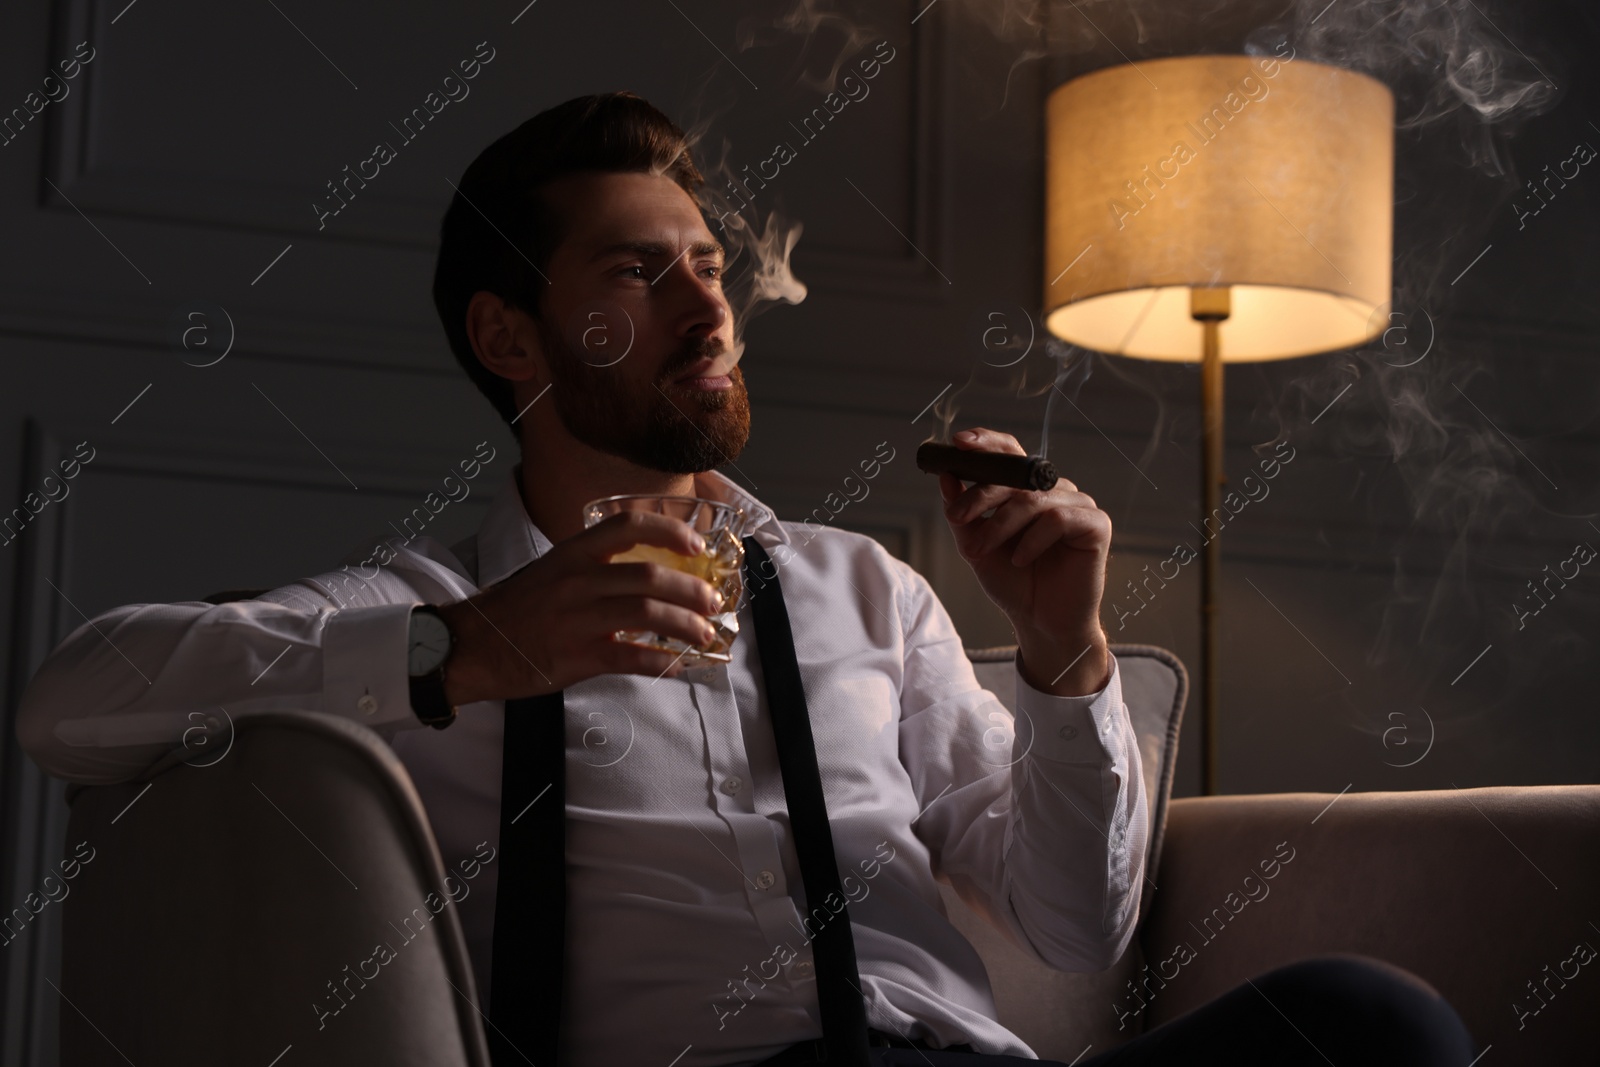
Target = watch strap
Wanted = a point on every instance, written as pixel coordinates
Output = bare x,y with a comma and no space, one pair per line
428,700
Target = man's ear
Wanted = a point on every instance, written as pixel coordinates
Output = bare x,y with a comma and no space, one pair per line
506,339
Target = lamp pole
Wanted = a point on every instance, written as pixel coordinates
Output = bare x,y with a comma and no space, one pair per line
1210,306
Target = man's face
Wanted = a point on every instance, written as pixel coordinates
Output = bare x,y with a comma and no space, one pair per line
635,327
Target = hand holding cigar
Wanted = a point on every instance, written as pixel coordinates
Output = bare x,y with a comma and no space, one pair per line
1038,546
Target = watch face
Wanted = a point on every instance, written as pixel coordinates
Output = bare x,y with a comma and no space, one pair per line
429,643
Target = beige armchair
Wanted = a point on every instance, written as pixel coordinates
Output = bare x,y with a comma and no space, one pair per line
213,919
1478,891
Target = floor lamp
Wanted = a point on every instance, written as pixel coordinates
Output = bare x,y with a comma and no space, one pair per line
1218,207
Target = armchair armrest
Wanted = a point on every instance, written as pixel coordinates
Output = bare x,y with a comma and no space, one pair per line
1477,891
233,907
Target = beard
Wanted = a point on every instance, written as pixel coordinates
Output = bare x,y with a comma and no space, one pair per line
611,412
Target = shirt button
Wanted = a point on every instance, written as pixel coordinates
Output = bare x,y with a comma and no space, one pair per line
1069,732
731,786
367,704
765,879
802,969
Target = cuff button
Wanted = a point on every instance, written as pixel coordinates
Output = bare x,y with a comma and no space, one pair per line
367,704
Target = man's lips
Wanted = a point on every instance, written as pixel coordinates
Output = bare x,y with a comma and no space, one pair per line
701,376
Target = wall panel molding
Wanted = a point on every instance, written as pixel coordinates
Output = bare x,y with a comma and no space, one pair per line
388,222
30,848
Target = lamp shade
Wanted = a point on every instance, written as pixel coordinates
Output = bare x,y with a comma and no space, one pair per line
1272,177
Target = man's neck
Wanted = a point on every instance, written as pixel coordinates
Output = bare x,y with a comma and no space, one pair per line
554,492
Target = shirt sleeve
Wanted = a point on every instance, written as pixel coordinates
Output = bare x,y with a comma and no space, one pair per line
131,685
1037,820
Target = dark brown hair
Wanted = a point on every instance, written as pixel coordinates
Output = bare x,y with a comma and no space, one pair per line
499,233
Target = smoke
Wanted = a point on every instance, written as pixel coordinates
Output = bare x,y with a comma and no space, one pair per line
1446,62
1074,371
835,36
758,263
1019,362
760,238
759,245
1421,397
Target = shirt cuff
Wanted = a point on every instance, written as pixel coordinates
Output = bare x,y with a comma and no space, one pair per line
364,673
1077,729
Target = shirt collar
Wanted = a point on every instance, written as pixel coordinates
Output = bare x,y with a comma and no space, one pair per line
508,540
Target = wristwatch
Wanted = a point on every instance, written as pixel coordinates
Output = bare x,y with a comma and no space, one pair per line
428,646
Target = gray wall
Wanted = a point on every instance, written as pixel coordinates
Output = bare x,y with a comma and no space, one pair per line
182,166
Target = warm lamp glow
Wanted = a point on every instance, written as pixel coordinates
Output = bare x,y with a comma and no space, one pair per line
1271,177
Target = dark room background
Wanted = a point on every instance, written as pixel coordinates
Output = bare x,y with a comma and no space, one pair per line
251,381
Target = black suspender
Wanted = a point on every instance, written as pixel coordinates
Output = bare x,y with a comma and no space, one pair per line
530,913
839,994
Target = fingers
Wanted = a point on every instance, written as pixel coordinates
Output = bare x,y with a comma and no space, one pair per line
1007,520
662,583
1041,523
643,613
985,440
622,657
622,531
974,501
949,486
977,499
1082,528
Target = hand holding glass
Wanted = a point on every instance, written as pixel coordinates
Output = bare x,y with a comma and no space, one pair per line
721,527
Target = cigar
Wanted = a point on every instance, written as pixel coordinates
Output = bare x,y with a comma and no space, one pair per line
987,468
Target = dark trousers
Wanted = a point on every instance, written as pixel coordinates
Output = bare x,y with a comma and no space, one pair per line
1347,1011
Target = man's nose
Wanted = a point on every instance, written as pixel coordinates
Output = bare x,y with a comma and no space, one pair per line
704,306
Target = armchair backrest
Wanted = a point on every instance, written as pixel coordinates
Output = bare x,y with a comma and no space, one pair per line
1058,1014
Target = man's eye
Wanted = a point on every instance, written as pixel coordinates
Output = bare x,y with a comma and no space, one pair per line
636,267
716,270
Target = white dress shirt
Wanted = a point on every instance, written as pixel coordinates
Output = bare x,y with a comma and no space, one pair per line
685,894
